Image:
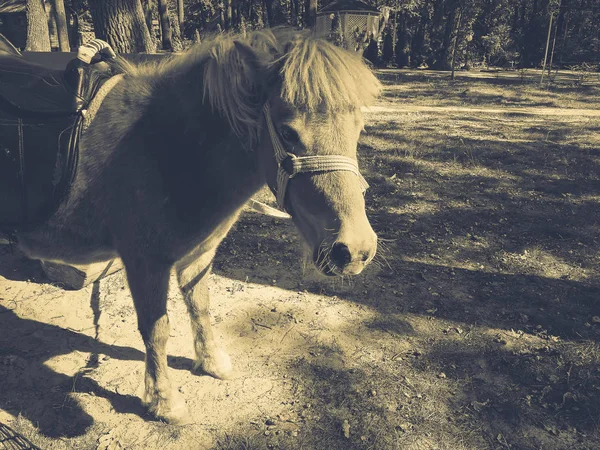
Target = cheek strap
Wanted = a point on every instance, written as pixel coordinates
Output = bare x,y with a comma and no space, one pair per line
290,165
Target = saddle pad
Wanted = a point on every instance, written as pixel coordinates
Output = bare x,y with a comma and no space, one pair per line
34,89
37,161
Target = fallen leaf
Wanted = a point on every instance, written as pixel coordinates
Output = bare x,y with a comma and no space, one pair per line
346,429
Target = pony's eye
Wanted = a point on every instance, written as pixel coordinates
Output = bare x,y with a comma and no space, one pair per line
289,135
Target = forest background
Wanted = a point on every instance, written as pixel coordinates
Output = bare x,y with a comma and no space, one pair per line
414,33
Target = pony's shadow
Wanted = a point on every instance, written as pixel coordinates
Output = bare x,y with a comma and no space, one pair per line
15,266
30,388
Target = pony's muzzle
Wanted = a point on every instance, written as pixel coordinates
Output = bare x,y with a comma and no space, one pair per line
343,258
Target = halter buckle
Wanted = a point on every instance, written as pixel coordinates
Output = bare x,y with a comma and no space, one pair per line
287,164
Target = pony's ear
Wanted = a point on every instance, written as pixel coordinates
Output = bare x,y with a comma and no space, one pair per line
262,74
249,56
234,82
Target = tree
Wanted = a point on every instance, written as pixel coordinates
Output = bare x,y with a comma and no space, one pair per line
387,53
149,6
275,13
270,15
165,25
310,17
38,34
402,49
180,15
176,36
372,51
61,25
422,31
228,18
121,24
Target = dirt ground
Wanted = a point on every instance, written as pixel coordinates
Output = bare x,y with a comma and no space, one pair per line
477,328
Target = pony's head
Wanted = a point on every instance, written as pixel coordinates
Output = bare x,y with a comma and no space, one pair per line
301,110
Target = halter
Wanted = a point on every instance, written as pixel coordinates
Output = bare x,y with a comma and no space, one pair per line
290,165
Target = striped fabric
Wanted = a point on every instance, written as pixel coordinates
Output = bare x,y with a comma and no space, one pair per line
90,49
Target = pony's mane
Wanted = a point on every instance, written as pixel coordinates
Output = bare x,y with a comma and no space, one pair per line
312,75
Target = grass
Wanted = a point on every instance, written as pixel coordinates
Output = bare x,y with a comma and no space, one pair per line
505,89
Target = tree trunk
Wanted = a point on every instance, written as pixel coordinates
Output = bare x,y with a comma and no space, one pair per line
74,29
149,6
532,39
443,58
61,25
228,19
269,9
561,27
165,25
403,42
310,17
456,33
176,40
38,35
51,25
417,51
121,24
180,15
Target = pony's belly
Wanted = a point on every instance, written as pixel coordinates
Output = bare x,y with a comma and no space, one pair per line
66,246
80,255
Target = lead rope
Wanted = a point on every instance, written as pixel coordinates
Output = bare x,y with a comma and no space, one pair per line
290,165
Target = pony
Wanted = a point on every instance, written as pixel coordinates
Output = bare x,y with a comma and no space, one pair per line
178,147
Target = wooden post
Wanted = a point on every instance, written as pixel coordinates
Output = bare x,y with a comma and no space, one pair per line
455,41
547,46
554,42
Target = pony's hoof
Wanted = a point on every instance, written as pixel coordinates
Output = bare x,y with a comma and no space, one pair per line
177,416
174,412
217,365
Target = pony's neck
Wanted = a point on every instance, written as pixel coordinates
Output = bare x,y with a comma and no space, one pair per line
197,152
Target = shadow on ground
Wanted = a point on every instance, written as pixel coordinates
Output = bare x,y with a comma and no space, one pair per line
28,387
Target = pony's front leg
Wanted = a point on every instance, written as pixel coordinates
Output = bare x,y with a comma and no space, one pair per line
149,283
193,281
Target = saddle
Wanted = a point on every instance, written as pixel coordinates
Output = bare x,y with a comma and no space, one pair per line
41,117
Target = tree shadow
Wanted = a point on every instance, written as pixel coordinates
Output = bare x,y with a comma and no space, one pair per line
30,388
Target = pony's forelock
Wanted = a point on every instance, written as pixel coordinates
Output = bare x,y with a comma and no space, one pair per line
318,76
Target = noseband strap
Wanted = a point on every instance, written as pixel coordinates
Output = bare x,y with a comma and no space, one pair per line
290,165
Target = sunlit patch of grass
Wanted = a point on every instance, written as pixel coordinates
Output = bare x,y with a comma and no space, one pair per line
538,261
502,89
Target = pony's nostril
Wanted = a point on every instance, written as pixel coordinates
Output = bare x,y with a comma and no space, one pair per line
340,254
364,256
